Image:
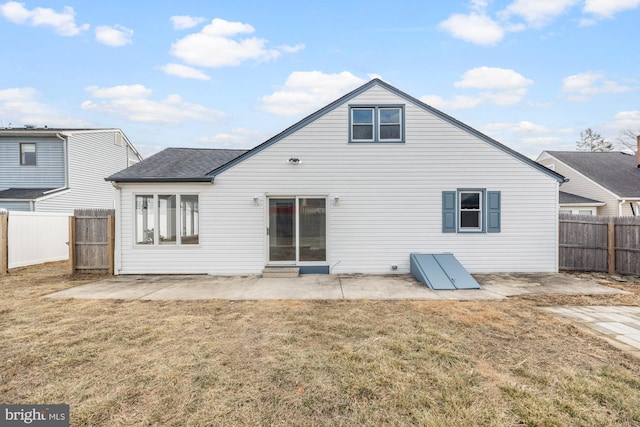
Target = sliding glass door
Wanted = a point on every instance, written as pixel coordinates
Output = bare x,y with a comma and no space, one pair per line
297,230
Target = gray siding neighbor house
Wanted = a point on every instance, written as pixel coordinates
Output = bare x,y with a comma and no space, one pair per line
599,183
59,170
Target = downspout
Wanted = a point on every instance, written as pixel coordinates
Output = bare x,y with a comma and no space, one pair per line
65,155
620,204
117,258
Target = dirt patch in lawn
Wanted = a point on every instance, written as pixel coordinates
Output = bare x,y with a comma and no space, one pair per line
134,363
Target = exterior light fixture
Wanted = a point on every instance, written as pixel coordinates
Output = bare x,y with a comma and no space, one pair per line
294,161
256,201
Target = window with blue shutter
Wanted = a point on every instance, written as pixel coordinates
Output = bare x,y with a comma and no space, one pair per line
471,211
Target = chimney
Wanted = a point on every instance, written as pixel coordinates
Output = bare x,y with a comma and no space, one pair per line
638,150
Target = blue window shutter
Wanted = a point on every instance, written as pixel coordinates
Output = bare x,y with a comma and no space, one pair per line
493,211
448,211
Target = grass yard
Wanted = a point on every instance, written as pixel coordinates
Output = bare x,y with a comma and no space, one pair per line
309,363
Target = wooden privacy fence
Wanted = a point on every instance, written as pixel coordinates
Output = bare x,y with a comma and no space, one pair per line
92,240
598,243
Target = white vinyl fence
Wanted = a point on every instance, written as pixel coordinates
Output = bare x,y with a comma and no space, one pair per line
37,237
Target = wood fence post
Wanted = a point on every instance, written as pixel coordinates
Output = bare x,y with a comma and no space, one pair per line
611,246
72,245
111,231
4,244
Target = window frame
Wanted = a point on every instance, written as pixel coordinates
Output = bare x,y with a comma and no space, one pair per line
177,223
22,154
575,210
459,210
377,123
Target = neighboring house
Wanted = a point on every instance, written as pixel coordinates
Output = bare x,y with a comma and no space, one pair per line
578,205
607,182
355,187
59,170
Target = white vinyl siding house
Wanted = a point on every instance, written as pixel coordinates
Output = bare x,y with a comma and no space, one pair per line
380,201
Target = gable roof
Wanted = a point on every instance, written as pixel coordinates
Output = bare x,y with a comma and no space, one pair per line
24,193
216,167
615,171
574,199
177,165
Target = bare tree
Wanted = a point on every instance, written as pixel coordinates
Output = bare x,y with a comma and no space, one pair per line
627,138
591,140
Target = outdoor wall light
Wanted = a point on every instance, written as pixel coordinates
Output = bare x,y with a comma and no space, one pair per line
294,161
336,200
256,201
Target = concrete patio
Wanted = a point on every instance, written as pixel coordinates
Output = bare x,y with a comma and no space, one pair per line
620,326
325,287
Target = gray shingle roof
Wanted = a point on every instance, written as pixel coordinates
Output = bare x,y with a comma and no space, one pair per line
177,164
23,193
617,172
573,199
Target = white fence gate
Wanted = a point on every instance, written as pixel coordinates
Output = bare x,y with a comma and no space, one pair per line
37,237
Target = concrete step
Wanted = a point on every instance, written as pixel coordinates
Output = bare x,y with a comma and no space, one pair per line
280,272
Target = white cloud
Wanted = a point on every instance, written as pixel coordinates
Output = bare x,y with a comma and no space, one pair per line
237,138
542,140
184,71
527,137
625,120
114,36
608,8
493,78
456,103
220,44
479,5
499,86
482,28
132,103
538,13
124,91
63,23
305,91
475,28
523,127
21,106
183,22
580,87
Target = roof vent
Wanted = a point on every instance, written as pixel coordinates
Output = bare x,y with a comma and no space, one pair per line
27,126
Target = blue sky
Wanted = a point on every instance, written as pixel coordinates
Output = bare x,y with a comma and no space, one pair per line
222,74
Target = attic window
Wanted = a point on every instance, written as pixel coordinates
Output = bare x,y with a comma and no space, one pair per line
28,154
376,123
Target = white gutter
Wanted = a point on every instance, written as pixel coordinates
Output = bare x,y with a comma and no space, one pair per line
620,203
65,153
